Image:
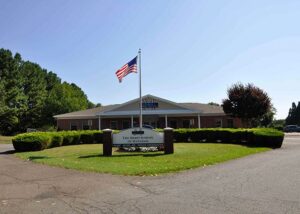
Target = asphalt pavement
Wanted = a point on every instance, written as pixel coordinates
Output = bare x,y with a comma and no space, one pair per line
268,182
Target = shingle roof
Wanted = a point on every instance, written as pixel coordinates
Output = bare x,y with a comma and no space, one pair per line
88,112
204,108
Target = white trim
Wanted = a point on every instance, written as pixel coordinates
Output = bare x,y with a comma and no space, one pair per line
151,96
99,122
148,112
166,121
132,121
199,121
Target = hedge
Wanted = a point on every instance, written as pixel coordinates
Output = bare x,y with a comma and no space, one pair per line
35,141
264,137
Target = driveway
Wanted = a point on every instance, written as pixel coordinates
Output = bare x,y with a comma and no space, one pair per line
262,183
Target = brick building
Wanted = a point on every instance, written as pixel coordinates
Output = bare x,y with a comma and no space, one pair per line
157,112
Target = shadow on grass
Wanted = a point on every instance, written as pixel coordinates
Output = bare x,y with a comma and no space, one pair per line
123,155
37,157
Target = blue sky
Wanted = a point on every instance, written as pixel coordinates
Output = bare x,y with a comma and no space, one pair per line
192,51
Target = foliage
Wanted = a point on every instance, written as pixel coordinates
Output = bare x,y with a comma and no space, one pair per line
247,102
31,96
264,137
213,104
278,124
43,140
293,117
34,141
259,137
265,120
186,156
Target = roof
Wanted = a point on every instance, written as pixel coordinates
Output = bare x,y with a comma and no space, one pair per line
204,108
110,110
87,113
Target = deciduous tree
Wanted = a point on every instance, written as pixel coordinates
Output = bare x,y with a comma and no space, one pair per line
247,102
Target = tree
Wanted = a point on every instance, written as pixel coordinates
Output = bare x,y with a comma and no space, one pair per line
213,104
34,89
64,98
293,117
247,102
12,97
30,95
265,120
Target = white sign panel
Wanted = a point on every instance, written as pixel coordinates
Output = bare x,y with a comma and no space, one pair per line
138,137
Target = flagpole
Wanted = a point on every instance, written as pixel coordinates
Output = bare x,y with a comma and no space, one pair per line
140,83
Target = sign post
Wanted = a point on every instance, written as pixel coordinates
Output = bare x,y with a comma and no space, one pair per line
107,142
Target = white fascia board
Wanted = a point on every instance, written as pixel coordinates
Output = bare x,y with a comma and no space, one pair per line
75,117
148,112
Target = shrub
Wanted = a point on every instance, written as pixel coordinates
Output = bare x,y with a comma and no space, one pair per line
267,137
181,135
31,141
57,140
98,137
87,137
264,137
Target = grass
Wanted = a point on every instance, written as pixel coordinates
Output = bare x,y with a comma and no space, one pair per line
5,139
89,157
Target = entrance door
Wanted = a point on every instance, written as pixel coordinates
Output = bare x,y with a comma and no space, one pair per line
150,120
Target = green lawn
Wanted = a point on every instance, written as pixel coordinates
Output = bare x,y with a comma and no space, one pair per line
5,139
187,155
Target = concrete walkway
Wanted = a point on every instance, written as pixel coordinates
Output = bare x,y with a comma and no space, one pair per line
263,183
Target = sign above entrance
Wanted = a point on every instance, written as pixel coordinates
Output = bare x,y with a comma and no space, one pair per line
138,137
149,103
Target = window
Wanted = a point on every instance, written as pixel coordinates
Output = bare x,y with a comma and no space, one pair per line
218,123
73,126
125,124
186,124
113,124
86,125
230,123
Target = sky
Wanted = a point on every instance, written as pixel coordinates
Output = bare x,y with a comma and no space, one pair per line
192,50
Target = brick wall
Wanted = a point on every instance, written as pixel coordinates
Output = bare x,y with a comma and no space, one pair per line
206,122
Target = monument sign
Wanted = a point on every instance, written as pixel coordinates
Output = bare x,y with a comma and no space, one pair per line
138,137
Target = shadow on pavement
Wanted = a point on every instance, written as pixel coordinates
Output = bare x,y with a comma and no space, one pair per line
8,152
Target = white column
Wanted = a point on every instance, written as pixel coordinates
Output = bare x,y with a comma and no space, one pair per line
131,121
99,122
199,121
166,121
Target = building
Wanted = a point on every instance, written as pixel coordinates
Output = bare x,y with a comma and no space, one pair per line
157,112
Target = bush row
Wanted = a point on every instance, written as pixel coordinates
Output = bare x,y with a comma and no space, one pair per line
264,137
35,141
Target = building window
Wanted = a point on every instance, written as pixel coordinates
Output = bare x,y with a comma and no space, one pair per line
218,123
186,124
86,125
230,123
73,126
113,124
125,124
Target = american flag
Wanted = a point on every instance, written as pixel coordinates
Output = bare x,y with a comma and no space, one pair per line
127,69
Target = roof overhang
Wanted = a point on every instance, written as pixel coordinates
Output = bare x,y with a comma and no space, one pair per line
149,112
